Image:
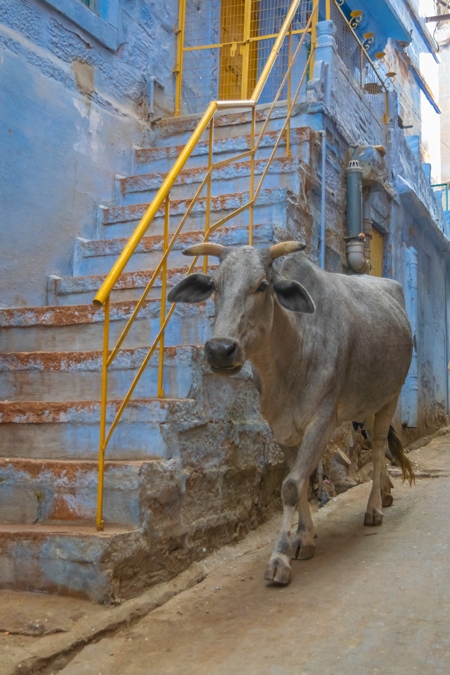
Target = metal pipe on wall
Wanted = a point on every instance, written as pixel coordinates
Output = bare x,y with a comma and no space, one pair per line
354,198
355,239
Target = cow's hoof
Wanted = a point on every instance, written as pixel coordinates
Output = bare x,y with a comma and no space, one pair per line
373,518
387,500
278,570
306,552
300,552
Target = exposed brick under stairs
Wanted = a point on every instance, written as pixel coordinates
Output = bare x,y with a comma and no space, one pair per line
50,365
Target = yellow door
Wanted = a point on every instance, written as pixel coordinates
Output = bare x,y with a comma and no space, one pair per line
376,253
238,21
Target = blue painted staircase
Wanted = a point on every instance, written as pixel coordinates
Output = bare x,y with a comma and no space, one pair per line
171,482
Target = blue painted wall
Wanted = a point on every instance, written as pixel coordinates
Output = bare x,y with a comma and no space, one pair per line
70,111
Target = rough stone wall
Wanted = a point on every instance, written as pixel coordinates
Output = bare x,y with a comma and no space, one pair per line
361,122
222,480
408,103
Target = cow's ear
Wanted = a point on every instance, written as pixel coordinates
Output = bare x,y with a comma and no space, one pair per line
291,295
195,288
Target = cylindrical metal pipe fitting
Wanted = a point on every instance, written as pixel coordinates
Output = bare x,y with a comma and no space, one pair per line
354,198
355,256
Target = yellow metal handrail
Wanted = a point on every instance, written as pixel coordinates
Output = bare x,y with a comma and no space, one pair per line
162,199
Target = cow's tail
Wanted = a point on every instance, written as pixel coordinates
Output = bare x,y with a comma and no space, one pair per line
400,458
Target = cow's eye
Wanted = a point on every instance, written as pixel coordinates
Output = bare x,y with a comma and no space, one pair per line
262,286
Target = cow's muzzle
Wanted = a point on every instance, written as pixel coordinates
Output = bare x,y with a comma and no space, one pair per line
224,355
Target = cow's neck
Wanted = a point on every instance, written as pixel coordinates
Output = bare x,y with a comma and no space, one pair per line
278,364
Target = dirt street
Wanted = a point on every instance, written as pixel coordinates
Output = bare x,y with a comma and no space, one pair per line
373,600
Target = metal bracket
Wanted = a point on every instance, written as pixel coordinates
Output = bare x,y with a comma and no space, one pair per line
151,82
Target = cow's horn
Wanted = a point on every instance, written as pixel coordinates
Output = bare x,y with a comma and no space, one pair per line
206,248
284,248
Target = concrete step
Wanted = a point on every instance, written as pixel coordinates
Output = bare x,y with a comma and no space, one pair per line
231,178
55,492
78,290
76,376
98,256
230,123
66,559
80,327
162,158
121,221
70,429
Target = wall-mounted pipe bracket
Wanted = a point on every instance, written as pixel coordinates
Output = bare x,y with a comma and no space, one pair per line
151,81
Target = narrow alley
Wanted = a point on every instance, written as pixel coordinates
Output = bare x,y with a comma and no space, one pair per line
373,600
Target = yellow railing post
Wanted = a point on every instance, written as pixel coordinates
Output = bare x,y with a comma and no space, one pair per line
162,314
315,19
208,189
178,70
288,128
245,48
103,403
327,10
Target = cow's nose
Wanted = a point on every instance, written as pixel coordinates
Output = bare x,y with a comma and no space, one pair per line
222,353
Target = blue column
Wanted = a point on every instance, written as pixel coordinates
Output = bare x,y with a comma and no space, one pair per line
319,87
410,392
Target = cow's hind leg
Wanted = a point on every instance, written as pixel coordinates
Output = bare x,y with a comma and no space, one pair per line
386,486
303,546
380,491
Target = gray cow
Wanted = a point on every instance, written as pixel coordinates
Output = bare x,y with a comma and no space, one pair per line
325,348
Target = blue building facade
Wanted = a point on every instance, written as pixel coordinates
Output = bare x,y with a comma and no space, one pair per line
88,133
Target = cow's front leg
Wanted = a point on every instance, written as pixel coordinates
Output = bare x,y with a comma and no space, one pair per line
295,491
279,566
